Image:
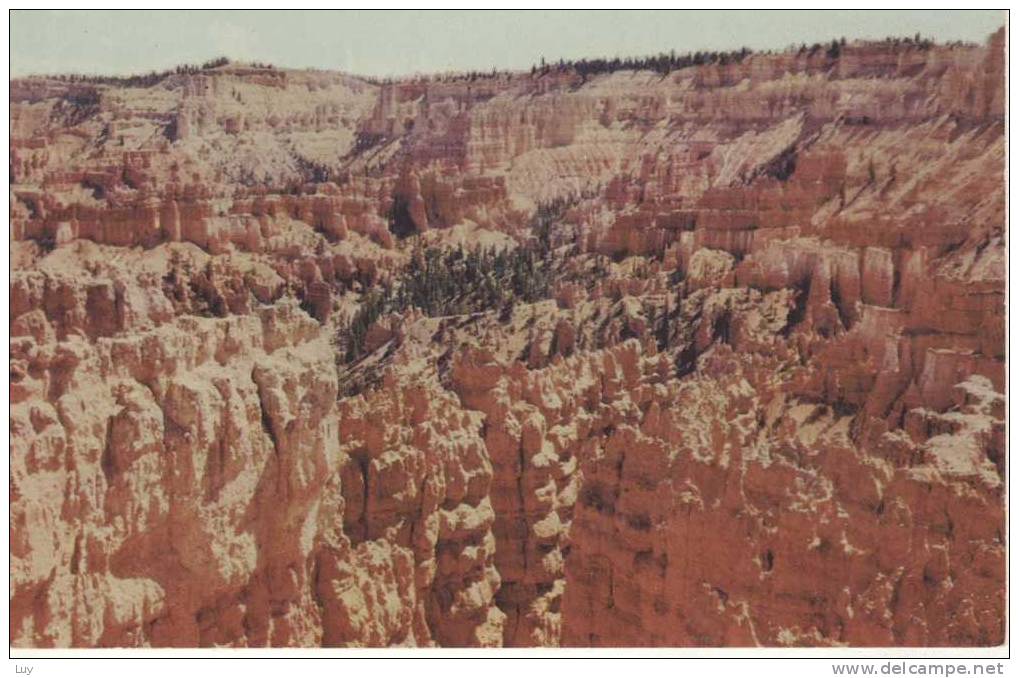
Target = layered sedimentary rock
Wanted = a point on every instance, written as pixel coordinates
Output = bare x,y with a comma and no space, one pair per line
737,377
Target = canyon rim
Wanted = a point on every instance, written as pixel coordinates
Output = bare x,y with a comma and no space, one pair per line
697,350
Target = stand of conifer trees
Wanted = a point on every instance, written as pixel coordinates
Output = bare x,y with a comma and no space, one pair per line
455,282
660,63
145,79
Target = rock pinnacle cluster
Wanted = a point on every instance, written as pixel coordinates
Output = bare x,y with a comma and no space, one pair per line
705,357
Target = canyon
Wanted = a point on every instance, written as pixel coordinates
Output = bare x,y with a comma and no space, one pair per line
712,357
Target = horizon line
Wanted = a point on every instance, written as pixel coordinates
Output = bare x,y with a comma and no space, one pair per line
203,65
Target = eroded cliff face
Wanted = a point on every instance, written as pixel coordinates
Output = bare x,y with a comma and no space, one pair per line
745,386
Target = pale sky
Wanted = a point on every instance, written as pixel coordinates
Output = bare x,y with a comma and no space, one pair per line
401,42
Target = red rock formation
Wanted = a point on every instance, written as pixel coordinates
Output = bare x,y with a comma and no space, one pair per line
746,388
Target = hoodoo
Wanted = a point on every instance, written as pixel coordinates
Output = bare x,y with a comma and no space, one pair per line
706,351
